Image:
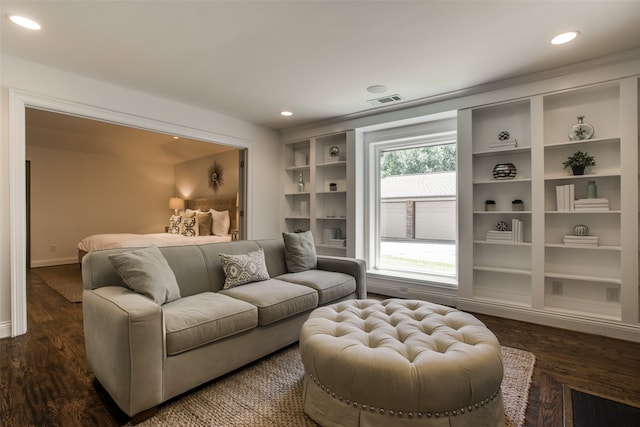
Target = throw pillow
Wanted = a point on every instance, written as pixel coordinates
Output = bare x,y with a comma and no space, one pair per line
147,272
205,222
243,269
188,226
174,224
221,222
300,251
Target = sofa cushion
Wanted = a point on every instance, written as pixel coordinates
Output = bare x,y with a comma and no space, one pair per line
147,272
244,268
329,284
300,251
275,299
200,319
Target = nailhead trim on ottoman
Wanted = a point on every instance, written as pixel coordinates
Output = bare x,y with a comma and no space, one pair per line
418,362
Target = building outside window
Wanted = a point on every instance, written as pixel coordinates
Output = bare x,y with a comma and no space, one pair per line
413,219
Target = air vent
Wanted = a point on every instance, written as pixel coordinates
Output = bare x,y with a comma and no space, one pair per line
385,100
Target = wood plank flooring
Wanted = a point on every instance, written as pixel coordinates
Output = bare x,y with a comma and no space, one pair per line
45,378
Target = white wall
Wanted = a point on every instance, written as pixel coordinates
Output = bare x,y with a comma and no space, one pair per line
73,93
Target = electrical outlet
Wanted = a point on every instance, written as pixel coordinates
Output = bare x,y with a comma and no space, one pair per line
53,247
556,288
613,295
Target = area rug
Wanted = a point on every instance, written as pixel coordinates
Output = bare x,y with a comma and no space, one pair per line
268,393
582,409
64,279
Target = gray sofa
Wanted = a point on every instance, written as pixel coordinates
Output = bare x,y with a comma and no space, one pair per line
144,353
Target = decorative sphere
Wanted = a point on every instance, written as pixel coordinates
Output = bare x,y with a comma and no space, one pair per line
504,171
580,230
504,135
502,226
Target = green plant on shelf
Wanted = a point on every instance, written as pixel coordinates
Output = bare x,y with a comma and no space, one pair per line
578,161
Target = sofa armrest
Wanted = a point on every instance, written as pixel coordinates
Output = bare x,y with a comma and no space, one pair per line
124,339
352,266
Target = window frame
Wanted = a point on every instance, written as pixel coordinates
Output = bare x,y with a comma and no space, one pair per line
435,133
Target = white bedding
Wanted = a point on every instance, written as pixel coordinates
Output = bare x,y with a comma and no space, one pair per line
127,240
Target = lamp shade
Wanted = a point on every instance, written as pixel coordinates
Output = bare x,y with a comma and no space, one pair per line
176,203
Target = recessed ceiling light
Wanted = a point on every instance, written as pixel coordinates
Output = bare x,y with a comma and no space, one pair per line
565,37
23,22
377,89
286,113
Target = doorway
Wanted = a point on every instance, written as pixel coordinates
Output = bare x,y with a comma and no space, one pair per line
19,102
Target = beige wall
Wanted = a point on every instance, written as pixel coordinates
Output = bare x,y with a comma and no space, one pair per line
74,195
192,181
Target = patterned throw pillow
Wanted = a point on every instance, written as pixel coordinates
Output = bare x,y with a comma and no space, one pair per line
243,269
188,226
174,224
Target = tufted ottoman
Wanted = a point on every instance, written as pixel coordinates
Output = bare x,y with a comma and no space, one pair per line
401,363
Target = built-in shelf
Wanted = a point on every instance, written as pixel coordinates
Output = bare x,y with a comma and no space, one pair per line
324,164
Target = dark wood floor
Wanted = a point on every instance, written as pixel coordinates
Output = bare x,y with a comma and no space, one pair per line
45,379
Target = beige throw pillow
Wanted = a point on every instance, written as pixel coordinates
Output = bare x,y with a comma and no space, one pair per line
147,272
300,251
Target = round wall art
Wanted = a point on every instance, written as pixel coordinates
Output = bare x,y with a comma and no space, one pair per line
214,176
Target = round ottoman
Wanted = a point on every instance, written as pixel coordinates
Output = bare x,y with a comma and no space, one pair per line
402,363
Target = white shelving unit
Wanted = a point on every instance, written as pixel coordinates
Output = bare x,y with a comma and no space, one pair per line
542,277
323,207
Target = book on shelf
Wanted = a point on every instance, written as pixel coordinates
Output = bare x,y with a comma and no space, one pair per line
503,145
591,205
565,195
515,235
585,241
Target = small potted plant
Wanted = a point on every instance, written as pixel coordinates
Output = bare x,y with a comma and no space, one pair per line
578,162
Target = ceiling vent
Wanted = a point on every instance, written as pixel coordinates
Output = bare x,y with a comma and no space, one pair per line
385,100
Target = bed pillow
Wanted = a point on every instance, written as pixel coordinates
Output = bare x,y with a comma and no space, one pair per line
221,222
147,272
205,224
188,226
300,251
243,269
174,224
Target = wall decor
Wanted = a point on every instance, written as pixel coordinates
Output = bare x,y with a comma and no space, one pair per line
214,176
581,130
504,171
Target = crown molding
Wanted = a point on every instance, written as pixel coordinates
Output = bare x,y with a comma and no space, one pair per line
615,58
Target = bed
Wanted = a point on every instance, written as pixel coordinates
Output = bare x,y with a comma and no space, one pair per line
129,240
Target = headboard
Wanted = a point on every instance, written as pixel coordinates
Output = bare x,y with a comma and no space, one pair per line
218,204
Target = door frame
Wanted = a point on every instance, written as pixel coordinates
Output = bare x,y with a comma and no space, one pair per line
19,101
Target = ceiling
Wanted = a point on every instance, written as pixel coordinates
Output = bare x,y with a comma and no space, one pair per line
46,129
252,59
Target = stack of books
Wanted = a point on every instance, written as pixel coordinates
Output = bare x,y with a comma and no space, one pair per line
591,205
515,235
502,145
564,197
582,241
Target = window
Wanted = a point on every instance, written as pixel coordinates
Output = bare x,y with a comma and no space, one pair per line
412,217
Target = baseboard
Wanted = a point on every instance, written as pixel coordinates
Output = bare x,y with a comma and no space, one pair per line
54,261
602,327
5,329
